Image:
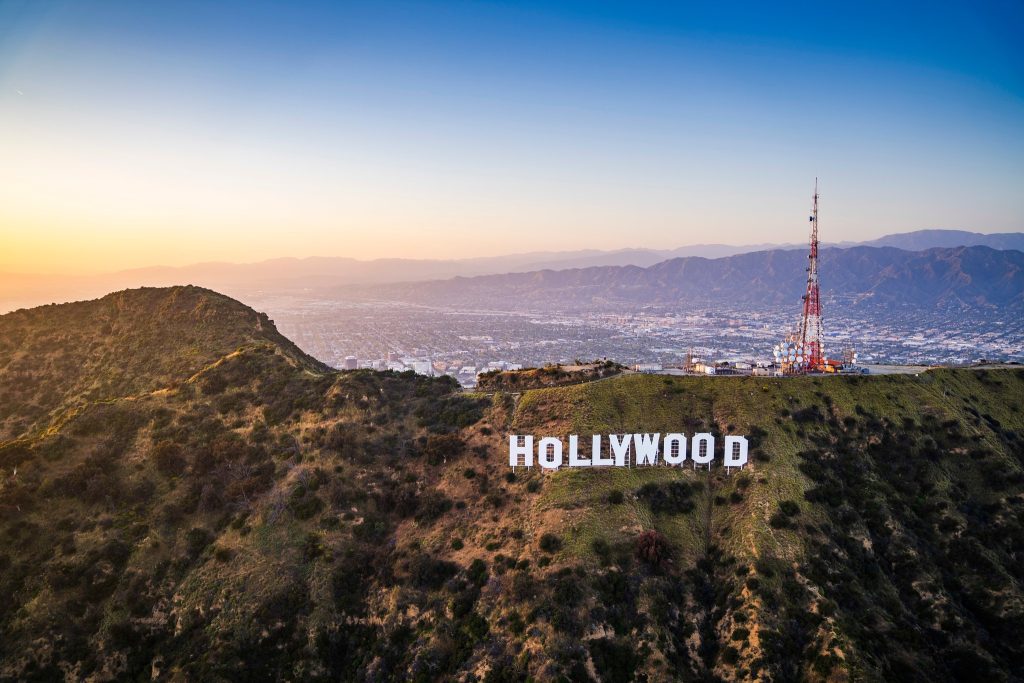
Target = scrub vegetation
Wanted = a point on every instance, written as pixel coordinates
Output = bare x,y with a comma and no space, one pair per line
187,496
548,376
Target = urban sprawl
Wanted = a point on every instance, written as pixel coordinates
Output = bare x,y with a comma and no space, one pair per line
463,344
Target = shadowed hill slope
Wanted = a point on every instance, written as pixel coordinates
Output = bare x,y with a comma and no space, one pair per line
55,357
255,520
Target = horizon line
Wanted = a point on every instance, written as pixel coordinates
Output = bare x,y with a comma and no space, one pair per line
764,246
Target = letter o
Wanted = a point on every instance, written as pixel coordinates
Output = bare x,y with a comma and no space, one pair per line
549,452
677,440
703,450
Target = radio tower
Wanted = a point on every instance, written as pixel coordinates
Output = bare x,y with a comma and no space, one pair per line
810,339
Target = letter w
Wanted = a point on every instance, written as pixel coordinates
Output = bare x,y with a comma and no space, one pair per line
646,448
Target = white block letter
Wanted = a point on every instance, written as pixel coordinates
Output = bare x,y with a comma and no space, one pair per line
735,451
549,452
596,452
673,449
646,448
620,448
574,455
515,450
703,451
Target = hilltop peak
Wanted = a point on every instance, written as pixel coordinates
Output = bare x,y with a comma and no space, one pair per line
129,342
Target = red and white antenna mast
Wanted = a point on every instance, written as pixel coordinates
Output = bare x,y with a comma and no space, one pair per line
811,340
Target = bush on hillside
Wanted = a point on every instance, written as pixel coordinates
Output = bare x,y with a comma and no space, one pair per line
550,543
653,549
671,498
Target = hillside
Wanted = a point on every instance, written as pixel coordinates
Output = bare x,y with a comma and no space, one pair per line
259,518
547,376
956,279
53,358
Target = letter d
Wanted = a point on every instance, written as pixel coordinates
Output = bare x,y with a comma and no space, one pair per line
735,451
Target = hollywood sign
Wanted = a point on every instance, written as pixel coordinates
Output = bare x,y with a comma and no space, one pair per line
624,450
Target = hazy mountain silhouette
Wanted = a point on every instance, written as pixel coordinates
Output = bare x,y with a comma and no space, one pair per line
929,239
962,277
297,275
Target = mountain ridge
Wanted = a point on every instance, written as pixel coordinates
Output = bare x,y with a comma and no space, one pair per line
296,275
963,277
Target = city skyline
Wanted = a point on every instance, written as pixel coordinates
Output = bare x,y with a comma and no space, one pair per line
142,135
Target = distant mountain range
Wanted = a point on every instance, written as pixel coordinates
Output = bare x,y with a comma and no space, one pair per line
951,279
295,275
930,239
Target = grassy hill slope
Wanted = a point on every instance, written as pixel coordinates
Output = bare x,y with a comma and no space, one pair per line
876,534
255,519
58,356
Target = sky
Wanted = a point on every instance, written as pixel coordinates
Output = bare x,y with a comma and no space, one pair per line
166,133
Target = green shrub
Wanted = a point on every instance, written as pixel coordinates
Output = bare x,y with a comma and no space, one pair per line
475,627
808,415
601,549
442,447
672,498
789,508
168,459
432,506
653,548
550,543
516,625
373,528
477,572
450,413
303,503
196,540
429,572
616,660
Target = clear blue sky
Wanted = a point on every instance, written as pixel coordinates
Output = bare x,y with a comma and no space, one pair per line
137,133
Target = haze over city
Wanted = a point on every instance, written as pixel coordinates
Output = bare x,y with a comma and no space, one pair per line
139,134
